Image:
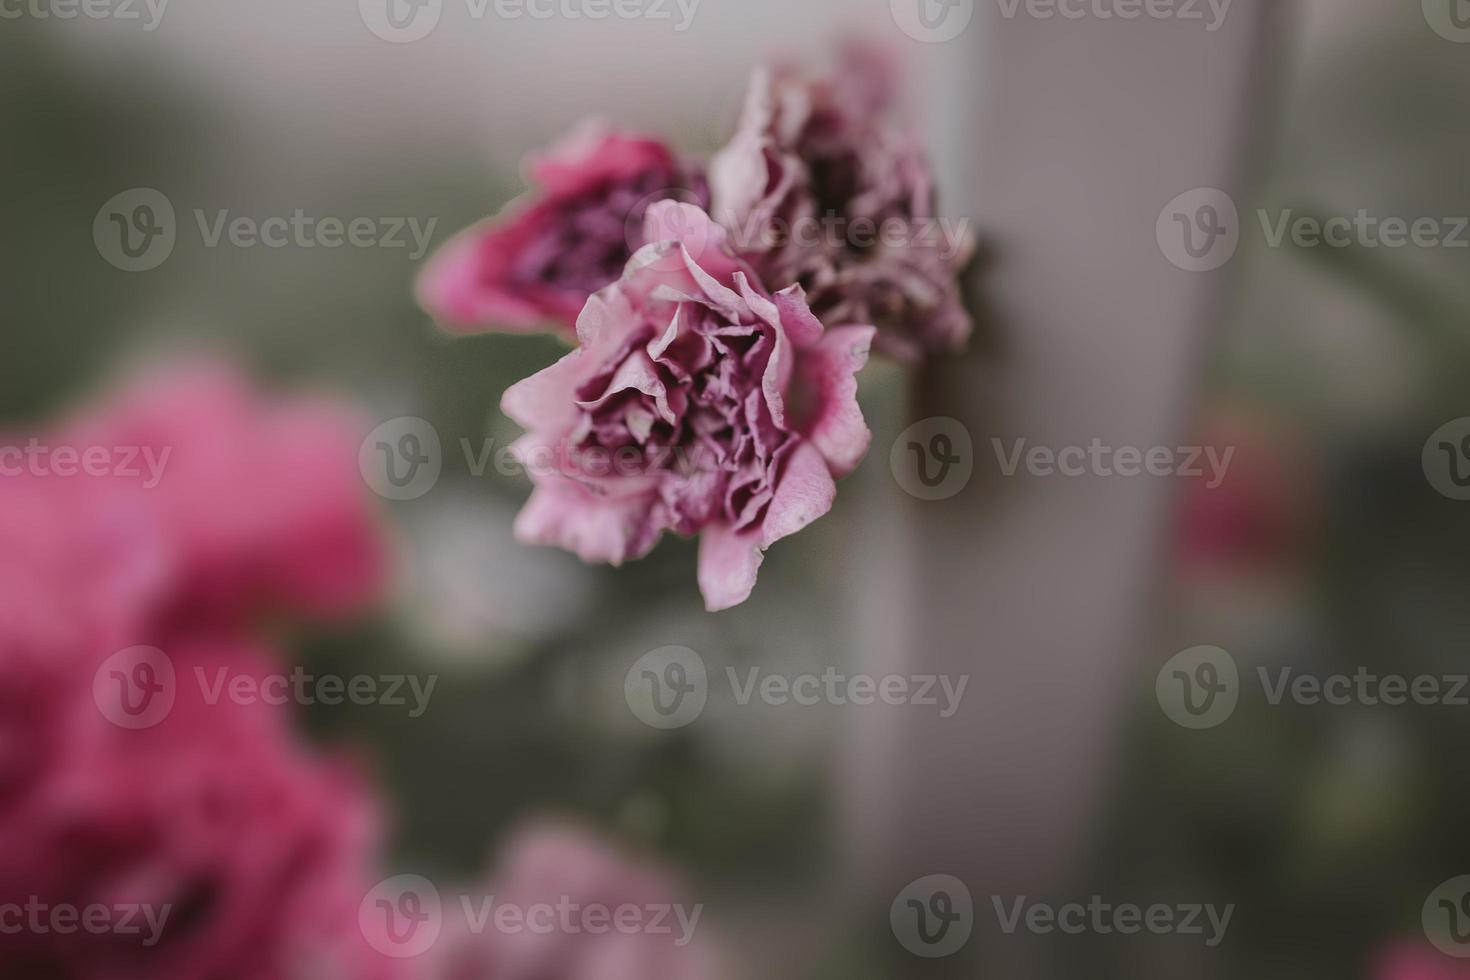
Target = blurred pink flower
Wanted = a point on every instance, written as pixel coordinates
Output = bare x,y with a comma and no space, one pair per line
258,502
698,403
1408,961
560,866
258,849
249,853
536,264
1256,515
820,186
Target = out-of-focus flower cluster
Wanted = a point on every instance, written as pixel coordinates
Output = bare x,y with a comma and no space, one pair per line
159,534
721,316
248,850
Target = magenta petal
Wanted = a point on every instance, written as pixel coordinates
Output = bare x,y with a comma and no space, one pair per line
594,152
462,287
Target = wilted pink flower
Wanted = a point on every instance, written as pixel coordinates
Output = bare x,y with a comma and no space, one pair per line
698,403
1417,962
536,264
256,501
585,882
820,187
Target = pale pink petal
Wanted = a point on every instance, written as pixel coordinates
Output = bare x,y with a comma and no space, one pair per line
728,563
598,529
805,493
828,374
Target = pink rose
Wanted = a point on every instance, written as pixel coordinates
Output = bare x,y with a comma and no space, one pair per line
820,187
698,403
565,868
538,263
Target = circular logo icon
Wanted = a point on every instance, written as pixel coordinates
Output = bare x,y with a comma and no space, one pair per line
933,459
1446,917
1449,18
401,21
1199,688
1199,230
1446,459
667,688
932,21
401,459
402,916
135,688
933,916
135,230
